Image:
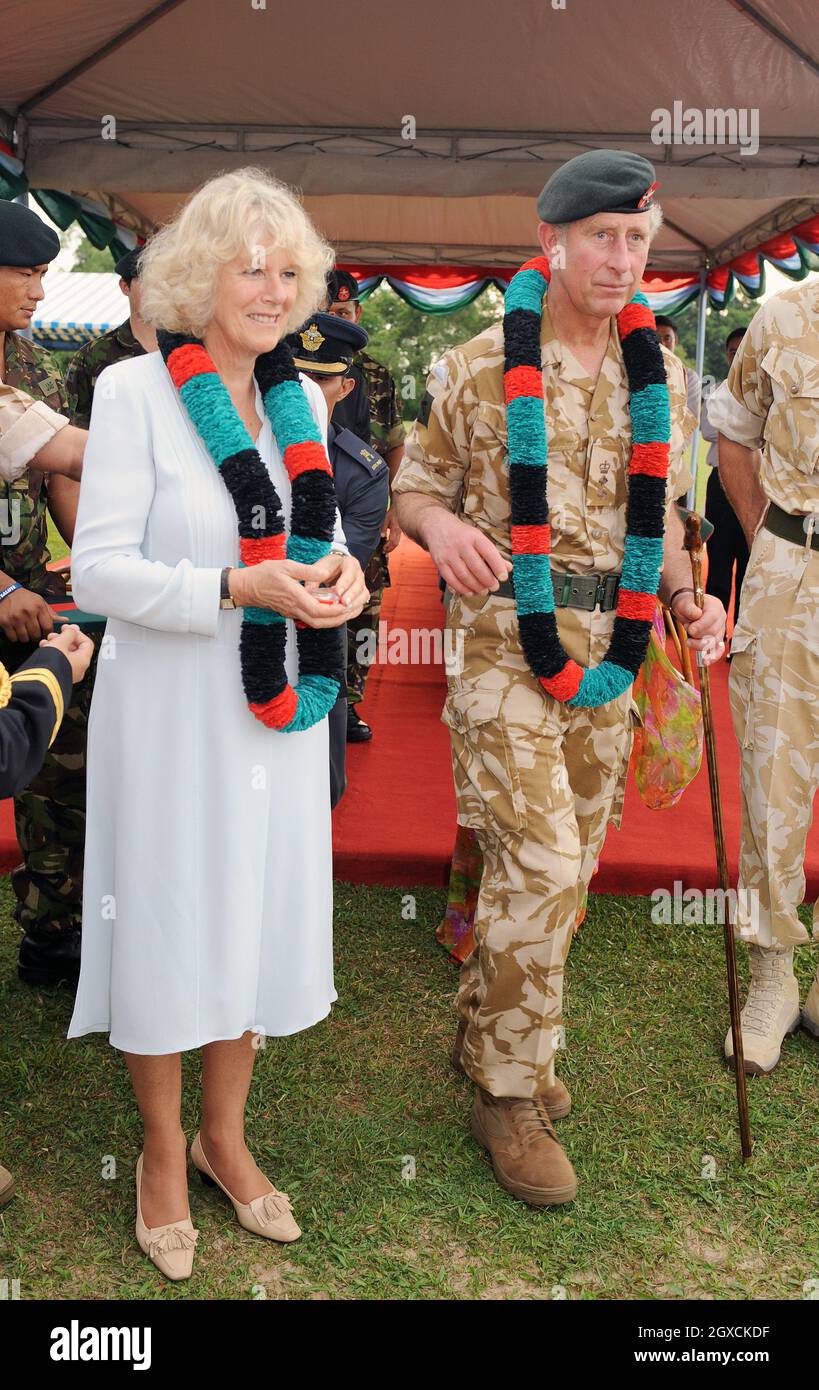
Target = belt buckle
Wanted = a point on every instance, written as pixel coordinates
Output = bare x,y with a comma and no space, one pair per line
582,592
561,589
608,586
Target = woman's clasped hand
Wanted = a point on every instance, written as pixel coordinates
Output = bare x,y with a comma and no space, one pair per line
290,588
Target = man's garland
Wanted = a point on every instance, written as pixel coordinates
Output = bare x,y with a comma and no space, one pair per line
261,523
645,514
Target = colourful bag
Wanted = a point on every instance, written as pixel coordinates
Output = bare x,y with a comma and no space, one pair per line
668,748
455,931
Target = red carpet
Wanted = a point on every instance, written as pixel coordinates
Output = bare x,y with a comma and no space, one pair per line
396,822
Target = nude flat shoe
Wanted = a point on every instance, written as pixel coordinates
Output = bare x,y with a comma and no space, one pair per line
169,1247
270,1215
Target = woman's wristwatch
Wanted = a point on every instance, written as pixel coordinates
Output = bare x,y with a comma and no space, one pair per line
225,599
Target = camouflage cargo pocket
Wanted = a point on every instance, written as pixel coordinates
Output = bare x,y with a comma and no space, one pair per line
635,722
487,782
742,685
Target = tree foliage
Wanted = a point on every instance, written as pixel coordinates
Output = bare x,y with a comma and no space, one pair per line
89,259
718,324
408,341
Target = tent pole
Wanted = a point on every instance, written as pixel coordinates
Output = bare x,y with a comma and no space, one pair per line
702,304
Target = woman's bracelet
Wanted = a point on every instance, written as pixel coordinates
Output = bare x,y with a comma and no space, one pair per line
684,590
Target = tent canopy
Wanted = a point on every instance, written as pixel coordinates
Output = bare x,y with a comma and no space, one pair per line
499,96
77,308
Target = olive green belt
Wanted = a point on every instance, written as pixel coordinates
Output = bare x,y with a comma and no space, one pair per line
587,591
791,528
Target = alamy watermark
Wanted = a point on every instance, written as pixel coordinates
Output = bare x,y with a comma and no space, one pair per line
416,646
710,125
694,907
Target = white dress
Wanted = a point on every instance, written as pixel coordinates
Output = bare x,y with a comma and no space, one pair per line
207,898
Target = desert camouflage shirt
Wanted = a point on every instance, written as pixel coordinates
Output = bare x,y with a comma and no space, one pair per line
771,398
24,502
85,367
457,449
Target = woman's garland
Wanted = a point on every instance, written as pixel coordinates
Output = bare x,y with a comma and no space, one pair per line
645,514
261,523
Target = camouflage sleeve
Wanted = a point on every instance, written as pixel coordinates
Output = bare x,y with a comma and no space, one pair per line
25,426
386,427
78,390
682,427
739,407
436,452
55,385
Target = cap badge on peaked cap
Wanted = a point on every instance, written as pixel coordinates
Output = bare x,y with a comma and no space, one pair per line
311,338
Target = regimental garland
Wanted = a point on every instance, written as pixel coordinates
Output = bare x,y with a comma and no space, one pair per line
261,522
645,514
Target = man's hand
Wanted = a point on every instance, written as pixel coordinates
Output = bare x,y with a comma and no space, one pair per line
64,453
391,530
467,560
705,627
25,617
75,645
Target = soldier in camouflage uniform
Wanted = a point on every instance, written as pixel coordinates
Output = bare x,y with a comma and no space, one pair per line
387,435
770,402
538,779
50,813
131,339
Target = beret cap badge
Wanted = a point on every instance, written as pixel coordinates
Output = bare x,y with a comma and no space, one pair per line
343,292
647,197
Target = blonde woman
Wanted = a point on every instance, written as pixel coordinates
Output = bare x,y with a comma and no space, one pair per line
207,523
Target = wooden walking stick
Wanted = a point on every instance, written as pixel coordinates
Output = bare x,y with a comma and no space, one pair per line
693,544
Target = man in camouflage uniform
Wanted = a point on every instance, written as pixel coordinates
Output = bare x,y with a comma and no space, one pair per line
770,402
133,338
50,813
539,780
386,433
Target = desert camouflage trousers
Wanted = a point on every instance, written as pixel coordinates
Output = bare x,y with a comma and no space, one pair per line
774,689
540,783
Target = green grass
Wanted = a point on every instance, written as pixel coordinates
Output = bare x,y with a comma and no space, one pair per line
334,1110
56,545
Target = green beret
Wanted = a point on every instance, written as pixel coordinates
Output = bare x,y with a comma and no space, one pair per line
598,181
25,240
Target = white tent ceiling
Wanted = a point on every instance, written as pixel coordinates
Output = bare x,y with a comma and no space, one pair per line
500,95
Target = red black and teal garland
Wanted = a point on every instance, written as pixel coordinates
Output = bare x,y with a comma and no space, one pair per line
261,522
650,413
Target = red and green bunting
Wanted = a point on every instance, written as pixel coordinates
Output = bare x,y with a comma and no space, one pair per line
440,289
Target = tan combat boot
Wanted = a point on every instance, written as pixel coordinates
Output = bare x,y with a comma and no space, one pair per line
556,1097
771,1010
810,1013
6,1186
525,1152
